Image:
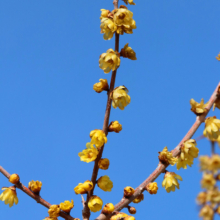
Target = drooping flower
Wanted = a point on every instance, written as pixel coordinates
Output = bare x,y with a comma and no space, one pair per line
128,191
218,57
152,188
98,138
54,211
127,52
83,188
212,128
105,183
101,85
129,1
213,196
109,61
108,208
66,206
89,154
214,164
108,27
120,98
171,181
115,126
95,203
189,151
9,196
119,215
208,181
139,198
204,163
14,178
35,186
198,108
206,212
103,163
167,157
201,198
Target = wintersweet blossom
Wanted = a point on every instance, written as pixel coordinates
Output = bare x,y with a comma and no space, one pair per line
108,27
129,1
120,97
89,154
83,188
98,138
109,61
206,212
14,178
198,108
139,198
127,52
95,203
105,183
66,206
189,151
204,163
49,218
171,181
104,13
108,208
208,181
214,163
128,191
54,211
152,188
129,218
119,215
218,57
213,196
167,157
35,186
201,198
103,163
9,196
212,128
115,126
101,85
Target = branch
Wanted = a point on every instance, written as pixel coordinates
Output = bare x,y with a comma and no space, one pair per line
34,196
86,211
161,167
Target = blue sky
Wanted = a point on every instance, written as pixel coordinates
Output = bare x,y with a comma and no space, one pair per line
48,65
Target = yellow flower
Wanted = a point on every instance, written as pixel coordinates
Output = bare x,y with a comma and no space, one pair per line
66,206
127,52
189,151
83,188
129,218
139,198
98,138
218,210
198,108
206,213
208,181
108,28
213,196
101,86
167,157
120,98
9,196
105,183
88,154
214,164
14,178
108,208
128,191
132,210
104,13
115,126
204,163
129,1
152,188
109,61
103,163
171,181
212,126
201,198
218,57
54,211
123,18
118,216
35,186
95,203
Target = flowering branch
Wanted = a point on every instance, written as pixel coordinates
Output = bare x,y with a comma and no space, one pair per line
161,167
86,211
34,196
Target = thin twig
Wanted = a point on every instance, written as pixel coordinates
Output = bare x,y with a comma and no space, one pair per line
161,168
86,211
34,196
213,147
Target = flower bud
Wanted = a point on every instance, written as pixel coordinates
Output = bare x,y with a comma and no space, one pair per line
119,215
105,183
152,188
95,203
128,191
129,218
101,86
54,211
132,210
108,209
127,52
115,126
35,186
14,178
103,163
66,206
198,108
83,188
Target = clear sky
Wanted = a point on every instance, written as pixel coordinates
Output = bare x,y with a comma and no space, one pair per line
49,51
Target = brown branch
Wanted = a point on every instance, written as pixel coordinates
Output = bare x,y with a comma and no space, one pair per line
161,168
34,196
86,211
213,147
